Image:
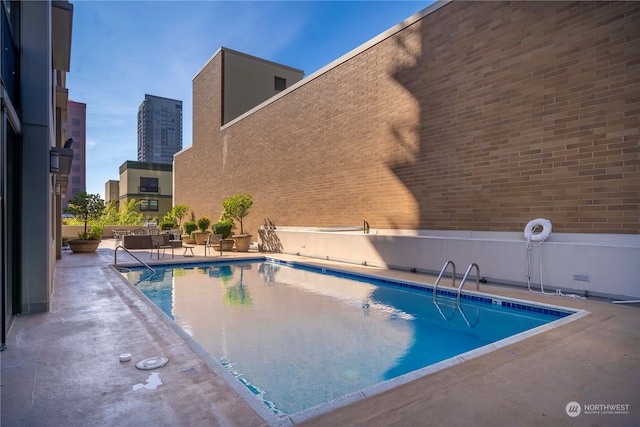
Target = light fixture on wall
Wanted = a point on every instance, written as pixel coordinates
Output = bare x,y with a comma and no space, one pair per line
54,162
60,160
58,190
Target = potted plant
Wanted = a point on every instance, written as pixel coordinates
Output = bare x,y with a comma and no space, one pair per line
189,227
224,227
203,226
237,207
86,207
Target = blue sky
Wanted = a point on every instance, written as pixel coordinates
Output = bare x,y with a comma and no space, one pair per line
122,50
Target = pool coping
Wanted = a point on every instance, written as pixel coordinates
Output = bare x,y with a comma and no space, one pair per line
276,420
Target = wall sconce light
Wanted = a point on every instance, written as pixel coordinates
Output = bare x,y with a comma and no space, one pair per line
58,190
54,162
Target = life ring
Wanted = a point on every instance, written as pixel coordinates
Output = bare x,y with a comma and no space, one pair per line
529,234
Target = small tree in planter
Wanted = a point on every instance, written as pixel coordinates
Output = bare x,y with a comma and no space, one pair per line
189,228
203,225
179,212
224,227
86,208
237,207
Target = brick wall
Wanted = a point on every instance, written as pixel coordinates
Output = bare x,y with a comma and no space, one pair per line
480,116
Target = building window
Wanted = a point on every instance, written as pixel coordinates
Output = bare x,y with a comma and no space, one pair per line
280,83
148,206
148,185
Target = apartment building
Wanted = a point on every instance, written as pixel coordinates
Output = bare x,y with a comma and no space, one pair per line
151,184
35,57
159,129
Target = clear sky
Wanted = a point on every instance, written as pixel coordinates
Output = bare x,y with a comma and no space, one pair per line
122,50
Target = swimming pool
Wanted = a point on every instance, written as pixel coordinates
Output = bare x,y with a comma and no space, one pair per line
300,336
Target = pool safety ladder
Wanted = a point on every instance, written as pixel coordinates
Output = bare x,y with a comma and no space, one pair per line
115,258
444,269
466,275
453,279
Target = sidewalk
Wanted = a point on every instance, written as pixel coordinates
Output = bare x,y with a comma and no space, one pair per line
62,368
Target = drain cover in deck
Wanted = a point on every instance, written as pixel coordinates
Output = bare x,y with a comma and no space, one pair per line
152,362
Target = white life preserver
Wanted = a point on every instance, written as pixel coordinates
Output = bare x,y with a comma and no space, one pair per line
529,235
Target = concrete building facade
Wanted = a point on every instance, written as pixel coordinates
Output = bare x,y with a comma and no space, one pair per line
447,134
112,191
148,183
159,129
35,57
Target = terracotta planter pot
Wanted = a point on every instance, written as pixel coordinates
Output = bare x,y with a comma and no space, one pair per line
243,241
188,239
201,237
84,246
227,245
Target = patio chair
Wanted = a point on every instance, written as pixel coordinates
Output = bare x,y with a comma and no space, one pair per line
212,240
118,234
157,243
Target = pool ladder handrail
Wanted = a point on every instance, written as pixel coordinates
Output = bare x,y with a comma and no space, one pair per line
115,258
453,277
466,275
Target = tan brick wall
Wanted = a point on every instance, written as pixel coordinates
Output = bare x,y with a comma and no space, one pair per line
480,116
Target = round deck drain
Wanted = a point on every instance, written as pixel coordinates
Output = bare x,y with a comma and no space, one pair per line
152,362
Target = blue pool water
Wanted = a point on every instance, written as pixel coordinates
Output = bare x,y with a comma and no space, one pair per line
299,337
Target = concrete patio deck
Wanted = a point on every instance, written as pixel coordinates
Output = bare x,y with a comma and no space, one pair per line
62,367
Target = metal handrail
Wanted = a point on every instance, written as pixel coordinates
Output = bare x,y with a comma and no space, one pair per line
115,258
464,279
453,278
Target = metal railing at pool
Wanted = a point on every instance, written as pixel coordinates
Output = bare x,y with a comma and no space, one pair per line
453,277
464,279
115,258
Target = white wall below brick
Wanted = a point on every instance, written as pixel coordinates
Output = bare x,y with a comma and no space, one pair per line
611,262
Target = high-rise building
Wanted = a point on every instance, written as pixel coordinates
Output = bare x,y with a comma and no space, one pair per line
76,137
159,129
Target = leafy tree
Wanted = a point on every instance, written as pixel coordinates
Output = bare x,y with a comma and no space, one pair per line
110,216
86,207
179,212
129,214
237,207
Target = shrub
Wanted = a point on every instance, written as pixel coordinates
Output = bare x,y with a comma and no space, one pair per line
223,227
190,227
168,224
204,223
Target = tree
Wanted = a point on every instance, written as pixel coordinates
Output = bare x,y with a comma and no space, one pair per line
110,216
179,212
237,207
129,215
86,207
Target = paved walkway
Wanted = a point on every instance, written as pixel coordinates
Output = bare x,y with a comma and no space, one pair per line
61,368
